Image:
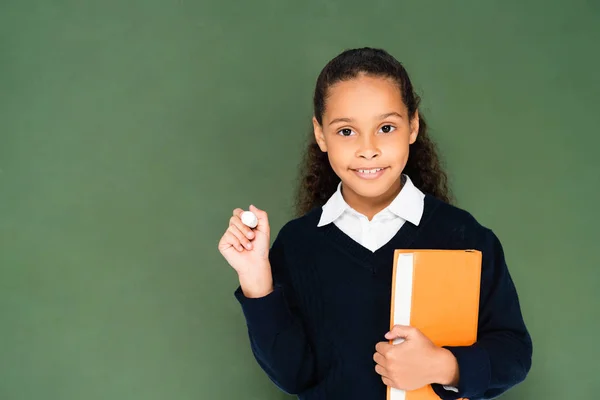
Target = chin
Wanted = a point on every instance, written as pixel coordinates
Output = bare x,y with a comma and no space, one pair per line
375,188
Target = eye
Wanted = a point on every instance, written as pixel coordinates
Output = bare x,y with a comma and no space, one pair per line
345,132
387,128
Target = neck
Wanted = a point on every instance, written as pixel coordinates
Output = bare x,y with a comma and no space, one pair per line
370,206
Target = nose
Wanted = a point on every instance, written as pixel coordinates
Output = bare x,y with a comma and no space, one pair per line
368,148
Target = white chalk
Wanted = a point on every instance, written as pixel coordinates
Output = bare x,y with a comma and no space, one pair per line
249,219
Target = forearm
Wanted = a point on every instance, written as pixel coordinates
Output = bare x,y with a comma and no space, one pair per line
277,337
488,368
501,357
257,285
446,369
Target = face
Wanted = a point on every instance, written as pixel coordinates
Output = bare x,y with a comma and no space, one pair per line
366,133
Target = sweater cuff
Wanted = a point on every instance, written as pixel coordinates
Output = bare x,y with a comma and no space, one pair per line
474,373
269,313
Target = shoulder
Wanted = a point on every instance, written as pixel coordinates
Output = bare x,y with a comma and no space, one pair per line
292,241
456,227
300,228
456,222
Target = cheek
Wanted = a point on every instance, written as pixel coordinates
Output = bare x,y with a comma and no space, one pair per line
337,164
340,155
397,148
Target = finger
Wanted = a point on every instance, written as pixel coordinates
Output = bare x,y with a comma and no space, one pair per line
387,381
383,348
263,219
381,371
400,331
245,230
379,359
230,240
237,214
240,236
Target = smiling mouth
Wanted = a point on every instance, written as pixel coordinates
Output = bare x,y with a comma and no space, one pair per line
369,173
368,170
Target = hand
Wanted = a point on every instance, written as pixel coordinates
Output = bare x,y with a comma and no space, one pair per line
247,250
414,363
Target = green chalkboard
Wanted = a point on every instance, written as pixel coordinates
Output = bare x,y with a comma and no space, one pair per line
129,130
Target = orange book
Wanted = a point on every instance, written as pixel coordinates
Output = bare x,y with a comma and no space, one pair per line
436,291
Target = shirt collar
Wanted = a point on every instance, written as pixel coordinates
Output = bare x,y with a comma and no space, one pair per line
408,204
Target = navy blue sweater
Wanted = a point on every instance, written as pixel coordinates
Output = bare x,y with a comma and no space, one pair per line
315,334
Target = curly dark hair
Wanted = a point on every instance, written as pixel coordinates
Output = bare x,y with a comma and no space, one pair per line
318,181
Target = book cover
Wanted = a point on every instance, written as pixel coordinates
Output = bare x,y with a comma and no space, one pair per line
436,291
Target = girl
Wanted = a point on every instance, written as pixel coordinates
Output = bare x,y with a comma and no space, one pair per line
317,304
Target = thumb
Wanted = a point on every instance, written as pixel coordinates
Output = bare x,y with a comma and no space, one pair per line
400,331
263,219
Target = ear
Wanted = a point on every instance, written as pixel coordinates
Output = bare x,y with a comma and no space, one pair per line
414,128
319,136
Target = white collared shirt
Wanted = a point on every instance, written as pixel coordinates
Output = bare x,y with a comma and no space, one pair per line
407,206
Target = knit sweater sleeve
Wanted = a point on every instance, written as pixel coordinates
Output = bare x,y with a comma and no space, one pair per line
277,336
501,356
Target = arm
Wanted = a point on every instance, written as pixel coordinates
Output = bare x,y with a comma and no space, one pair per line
501,357
277,336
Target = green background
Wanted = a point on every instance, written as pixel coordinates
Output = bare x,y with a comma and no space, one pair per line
129,130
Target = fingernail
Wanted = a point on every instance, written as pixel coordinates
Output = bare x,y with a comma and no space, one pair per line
248,245
250,235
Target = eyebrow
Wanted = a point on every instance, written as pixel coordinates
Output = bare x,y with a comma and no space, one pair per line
382,116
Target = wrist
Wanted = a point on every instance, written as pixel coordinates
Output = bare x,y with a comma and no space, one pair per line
447,372
256,285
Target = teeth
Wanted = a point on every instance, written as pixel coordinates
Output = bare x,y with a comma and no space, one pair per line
369,171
